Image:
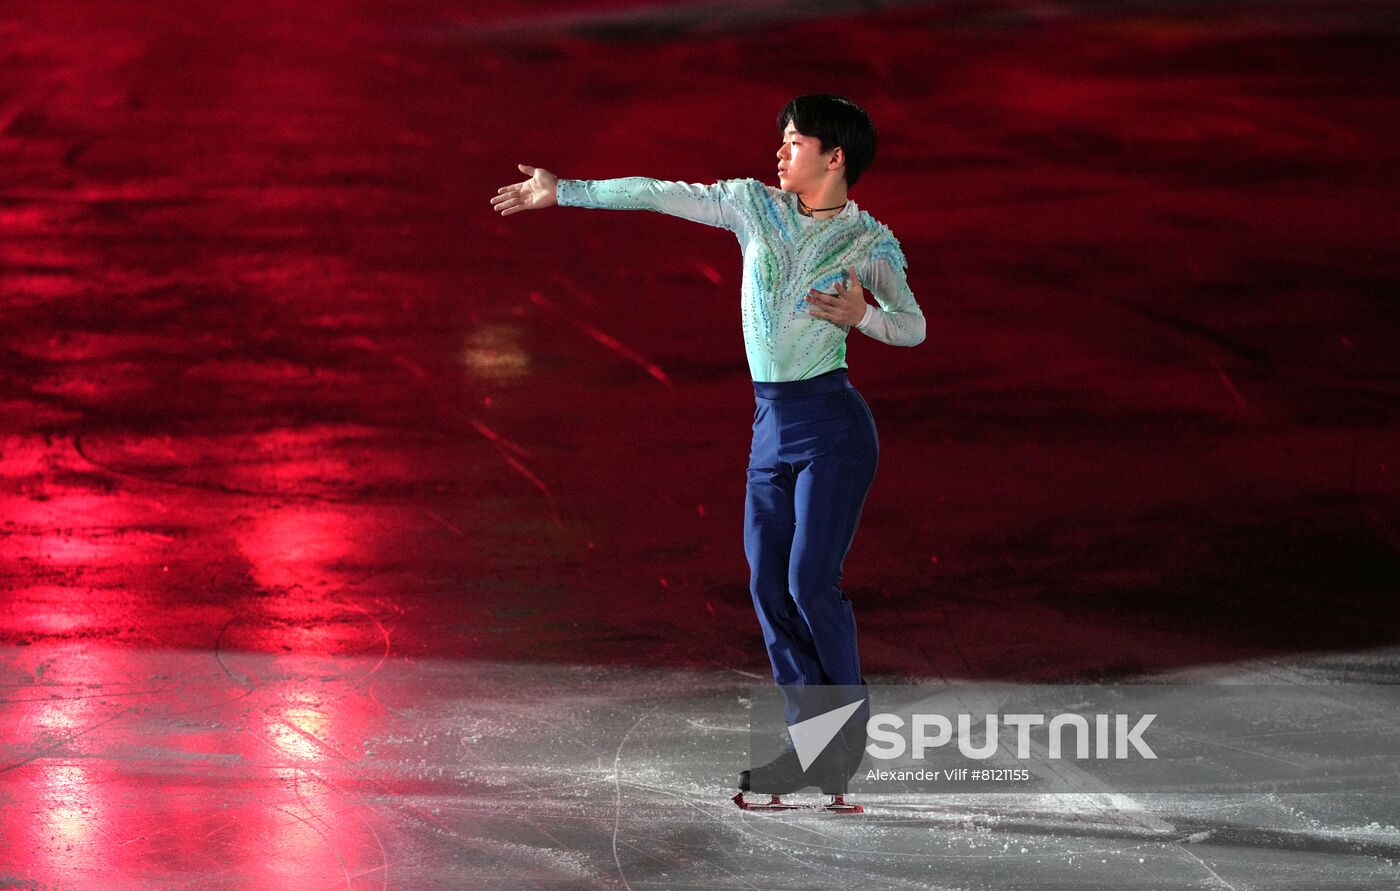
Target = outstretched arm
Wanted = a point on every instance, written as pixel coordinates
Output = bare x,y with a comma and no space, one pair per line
712,205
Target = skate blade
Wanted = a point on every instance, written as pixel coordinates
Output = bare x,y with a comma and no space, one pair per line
775,804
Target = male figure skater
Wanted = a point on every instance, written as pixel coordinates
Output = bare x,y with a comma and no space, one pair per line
808,252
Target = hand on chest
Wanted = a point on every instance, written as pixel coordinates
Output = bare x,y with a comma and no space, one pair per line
814,256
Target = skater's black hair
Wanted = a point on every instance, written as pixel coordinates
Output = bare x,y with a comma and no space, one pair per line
833,121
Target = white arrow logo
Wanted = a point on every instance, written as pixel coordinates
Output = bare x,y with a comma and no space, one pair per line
809,737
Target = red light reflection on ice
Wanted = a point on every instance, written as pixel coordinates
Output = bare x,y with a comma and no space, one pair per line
295,545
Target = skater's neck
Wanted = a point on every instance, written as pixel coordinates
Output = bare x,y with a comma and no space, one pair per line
825,199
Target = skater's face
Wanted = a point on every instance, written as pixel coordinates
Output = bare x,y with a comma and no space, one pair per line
802,165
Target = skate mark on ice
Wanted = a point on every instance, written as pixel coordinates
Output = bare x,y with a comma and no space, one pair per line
604,338
369,688
1229,384
383,867
573,288
496,438
58,744
344,869
696,722
1224,884
617,808
617,791
1241,749
1201,332
507,770
504,446
712,813
808,821
247,683
437,518
314,821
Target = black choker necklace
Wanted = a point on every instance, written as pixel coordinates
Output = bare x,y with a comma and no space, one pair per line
806,211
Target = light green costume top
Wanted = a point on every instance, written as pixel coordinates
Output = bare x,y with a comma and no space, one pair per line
785,253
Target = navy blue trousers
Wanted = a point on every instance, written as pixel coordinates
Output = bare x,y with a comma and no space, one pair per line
812,462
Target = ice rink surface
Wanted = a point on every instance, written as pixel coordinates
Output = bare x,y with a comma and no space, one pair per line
251,770
352,537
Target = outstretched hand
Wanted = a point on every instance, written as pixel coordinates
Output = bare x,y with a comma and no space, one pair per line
533,194
845,307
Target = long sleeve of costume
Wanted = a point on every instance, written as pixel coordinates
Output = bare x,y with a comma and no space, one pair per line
898,320
711,204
